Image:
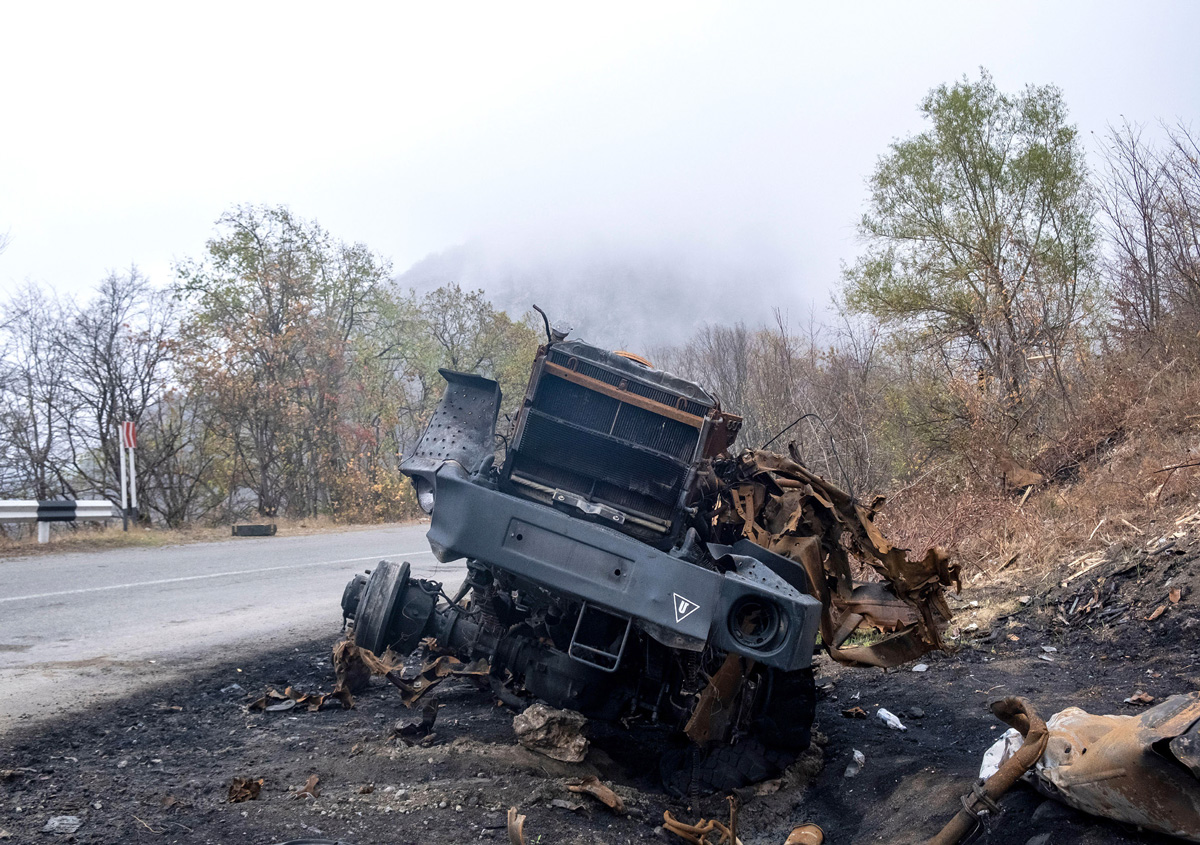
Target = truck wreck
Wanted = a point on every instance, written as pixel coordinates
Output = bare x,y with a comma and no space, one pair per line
623,563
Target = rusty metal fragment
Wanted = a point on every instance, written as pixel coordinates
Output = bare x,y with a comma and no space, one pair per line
432,672
593,786
776,502
705,831
516,827
806,834
1142,770
1020,715
244,789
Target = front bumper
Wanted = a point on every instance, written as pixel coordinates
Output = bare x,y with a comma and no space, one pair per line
678,603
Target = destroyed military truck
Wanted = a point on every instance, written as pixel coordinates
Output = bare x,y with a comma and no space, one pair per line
623,563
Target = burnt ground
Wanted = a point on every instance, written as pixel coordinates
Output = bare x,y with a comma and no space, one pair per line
156,767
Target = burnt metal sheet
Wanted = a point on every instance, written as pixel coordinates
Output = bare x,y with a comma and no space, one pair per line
462,428
1125,767
775,502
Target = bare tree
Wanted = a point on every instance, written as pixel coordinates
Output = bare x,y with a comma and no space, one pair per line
36,403
116,348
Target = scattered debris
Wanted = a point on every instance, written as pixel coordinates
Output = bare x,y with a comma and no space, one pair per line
1140,697
890,719
310,788
1049,649
433,671
856,763
350,666
274,701
62,824
1175,595
921,667
412,729
1158,611
516,827
706,831
554,733
591,785
244,789
855,713
564,804
233,688
806,834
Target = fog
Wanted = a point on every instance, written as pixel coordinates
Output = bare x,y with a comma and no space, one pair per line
635,169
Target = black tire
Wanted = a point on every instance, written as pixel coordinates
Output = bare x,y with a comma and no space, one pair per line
373,615
787,717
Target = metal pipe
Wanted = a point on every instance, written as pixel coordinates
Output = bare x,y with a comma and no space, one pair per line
1017,713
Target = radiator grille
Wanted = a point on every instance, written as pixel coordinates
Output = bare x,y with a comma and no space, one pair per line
602,448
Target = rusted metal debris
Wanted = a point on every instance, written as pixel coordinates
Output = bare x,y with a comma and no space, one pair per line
432,672
1143,770
1020,715
705,831
593,786
806,834
244,789
516,827
775,501
273,701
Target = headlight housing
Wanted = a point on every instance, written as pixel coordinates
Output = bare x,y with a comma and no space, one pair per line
424,494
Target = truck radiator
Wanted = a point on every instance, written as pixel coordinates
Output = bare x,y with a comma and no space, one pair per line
606,437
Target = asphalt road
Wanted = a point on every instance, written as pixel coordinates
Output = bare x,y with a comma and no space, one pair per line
76,628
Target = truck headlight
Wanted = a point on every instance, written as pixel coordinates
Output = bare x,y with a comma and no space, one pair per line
424,494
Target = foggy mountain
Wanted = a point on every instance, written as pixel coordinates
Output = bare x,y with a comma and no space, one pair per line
625,296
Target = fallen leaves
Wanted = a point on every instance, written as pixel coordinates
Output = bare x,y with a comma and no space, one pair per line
1158,611
1175,595
1140,697
244,789
855,713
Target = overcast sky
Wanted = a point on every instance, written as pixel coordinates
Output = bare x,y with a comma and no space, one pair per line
739,135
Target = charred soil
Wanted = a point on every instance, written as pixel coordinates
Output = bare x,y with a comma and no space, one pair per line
158,766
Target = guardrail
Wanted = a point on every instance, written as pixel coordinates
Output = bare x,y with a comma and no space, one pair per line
45,511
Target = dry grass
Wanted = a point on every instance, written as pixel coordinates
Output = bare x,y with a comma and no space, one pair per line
99,537
1132,480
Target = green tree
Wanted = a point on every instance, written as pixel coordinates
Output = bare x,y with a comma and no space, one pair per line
980,237
277,315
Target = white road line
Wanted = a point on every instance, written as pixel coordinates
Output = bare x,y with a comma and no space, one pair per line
203,577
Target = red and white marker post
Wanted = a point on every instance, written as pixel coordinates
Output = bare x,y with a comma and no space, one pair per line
128,490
